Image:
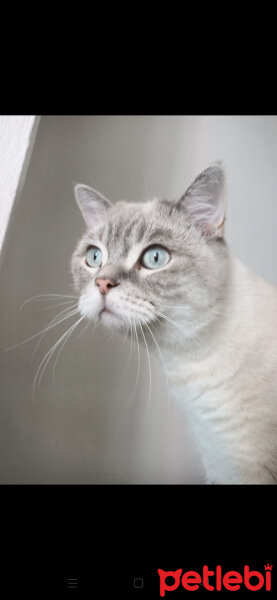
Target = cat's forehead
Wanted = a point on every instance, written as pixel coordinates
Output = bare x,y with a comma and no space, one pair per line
129,224
128,228
128,221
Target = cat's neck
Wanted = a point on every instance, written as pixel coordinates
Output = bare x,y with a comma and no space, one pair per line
230,319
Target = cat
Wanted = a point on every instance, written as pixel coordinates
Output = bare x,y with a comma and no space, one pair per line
164,269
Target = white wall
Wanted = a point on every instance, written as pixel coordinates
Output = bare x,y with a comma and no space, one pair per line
84,426
17,135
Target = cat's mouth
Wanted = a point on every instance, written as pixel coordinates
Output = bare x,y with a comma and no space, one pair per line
123,314
110,318
116,311
106,310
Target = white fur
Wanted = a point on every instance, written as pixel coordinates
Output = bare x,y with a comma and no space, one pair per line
229,386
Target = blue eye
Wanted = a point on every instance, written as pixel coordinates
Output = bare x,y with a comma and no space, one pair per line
94,256
155,257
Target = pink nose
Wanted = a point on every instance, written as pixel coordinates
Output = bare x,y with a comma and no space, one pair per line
105,285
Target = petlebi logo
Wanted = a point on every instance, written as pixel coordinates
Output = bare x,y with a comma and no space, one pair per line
215,580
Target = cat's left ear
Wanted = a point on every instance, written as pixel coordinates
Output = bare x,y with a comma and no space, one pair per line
204,201
92,204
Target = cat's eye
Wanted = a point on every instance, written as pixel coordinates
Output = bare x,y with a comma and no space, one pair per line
94,256
155,257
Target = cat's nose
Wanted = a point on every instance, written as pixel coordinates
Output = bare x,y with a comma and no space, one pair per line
105,284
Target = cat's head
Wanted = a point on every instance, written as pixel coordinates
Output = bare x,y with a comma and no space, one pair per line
149,263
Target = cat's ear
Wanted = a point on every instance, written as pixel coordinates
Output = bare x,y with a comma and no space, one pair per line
204,201
92,204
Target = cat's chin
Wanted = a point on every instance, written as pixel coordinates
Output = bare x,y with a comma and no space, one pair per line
110,319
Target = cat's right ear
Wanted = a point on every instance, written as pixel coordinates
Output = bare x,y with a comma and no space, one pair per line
92,204
204,201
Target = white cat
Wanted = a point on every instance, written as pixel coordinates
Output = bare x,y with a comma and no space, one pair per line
162,268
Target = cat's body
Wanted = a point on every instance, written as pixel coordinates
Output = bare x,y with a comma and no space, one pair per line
163,269
228,387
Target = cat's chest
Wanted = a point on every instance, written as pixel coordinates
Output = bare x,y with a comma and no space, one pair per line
204,392
192,380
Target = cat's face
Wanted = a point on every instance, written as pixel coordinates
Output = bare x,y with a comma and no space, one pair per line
139,263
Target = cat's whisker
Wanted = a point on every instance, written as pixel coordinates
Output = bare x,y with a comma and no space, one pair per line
125,332
130,330
182,306
138,367
149,364
45,297
134,327
163,363
86,326
69,308
69,333
111,336
95,325
57,305
50,352
131,334
168,319
32,337
108,339
134,335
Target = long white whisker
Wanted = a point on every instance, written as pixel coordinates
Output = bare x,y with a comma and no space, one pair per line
133,334
108,339
163,363
95,325
165,317
32,337
135,339
69,308
46,297
168,319
48,355
138,367
57,305
125,332
172,305
130,321
149,364
50,352
69,332
84,329
131,339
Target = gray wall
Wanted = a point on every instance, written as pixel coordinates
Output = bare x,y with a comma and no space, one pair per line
85,424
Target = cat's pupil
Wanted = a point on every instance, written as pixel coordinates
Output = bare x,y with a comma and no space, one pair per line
95,254
156,256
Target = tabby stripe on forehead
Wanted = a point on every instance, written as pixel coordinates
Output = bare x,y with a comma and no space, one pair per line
117,231
140,231
128,235
129,230
137,228
126,245
160,233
